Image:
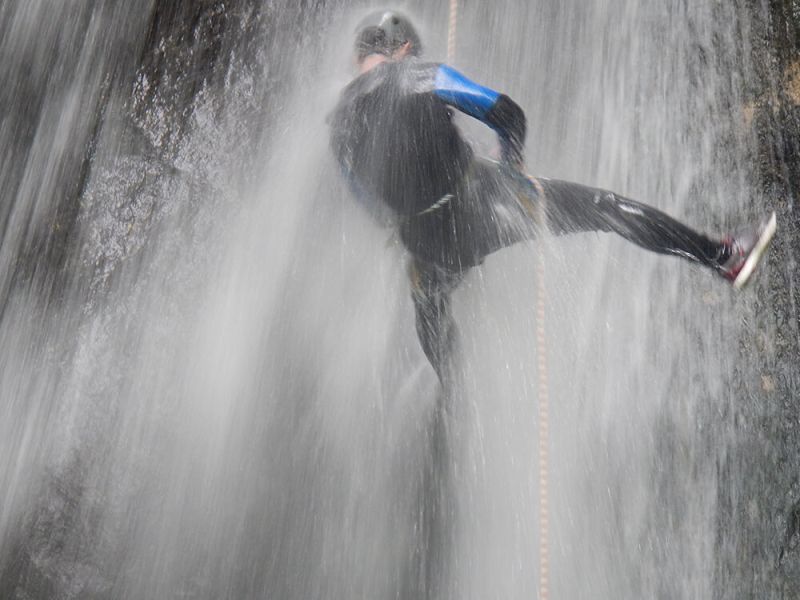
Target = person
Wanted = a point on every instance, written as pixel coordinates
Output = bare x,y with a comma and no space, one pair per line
393,135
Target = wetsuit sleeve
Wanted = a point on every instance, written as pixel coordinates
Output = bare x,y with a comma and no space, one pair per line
496,110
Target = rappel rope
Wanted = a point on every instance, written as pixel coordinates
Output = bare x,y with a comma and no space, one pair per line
451,31
543,409
541,353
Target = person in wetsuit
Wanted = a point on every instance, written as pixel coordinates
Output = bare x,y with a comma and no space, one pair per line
394,138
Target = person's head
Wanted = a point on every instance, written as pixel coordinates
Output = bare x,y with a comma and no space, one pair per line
387,34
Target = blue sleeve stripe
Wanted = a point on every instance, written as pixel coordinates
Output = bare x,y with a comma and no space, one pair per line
467,96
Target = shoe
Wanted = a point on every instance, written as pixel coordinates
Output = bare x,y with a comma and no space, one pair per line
745,250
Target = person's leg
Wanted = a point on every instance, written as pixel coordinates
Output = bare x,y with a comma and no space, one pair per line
494,207
497,207
431,287
573,208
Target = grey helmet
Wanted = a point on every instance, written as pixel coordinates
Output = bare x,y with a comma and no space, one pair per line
384,32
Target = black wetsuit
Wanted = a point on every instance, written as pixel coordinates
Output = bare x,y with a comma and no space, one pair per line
393,136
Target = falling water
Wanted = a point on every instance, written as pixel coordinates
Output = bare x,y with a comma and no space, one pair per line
210,382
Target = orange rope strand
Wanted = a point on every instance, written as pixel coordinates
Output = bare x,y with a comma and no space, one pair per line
541,351
544,409
451,31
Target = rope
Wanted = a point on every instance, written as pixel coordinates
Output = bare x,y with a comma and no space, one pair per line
451,31
541,352
543,409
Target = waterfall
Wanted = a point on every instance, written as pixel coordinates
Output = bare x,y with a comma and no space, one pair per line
210,381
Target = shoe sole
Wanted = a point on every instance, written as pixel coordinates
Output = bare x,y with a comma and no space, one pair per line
755,255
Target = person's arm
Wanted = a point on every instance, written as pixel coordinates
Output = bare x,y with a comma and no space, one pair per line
496,110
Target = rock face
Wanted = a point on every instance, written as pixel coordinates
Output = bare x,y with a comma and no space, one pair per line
127,119
758,516
140,77
148,64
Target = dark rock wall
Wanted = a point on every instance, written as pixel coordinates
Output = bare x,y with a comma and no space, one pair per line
759,485
155,58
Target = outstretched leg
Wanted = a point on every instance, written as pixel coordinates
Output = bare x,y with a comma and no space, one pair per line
494,207
497,207
573,208
500,207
